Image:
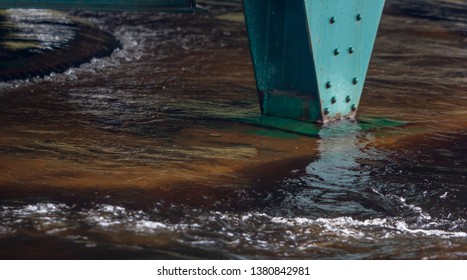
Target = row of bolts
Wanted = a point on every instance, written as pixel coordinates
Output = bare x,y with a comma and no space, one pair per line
354,81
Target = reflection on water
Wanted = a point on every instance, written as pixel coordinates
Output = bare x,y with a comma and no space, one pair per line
131,156
336,174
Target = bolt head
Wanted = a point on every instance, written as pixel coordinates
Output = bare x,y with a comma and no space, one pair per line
333,100
328,85
359,17
351,50
355,81
332,20
337,52
353,107
326,111
348,99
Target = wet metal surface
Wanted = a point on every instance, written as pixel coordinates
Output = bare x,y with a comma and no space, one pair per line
134,156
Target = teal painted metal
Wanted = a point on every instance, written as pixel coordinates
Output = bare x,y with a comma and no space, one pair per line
311,56
177,6
312,129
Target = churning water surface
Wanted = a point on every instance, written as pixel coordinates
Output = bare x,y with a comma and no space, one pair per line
135,155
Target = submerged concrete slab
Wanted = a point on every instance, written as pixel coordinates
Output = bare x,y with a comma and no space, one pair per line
38,42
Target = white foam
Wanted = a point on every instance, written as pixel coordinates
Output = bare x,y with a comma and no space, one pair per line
149,225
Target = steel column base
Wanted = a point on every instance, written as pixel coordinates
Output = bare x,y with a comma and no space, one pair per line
311,56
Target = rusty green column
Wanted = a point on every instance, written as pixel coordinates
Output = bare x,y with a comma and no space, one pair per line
311,56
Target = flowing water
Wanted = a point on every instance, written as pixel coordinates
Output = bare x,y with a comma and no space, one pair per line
134,155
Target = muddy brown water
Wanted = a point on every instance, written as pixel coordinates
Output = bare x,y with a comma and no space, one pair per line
133,155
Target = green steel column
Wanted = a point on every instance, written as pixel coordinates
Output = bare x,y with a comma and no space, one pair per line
311,56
